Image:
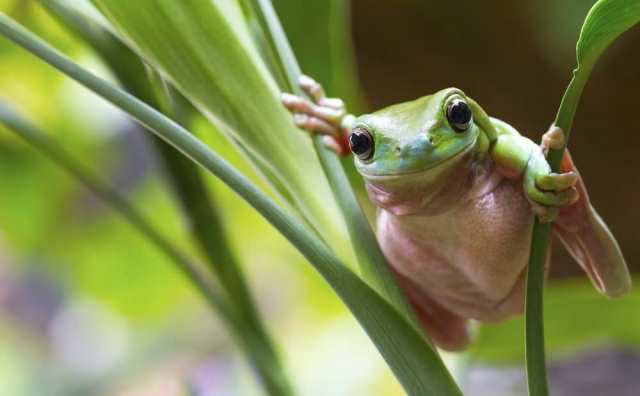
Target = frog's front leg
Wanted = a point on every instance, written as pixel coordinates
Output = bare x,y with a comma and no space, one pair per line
327,116
547,191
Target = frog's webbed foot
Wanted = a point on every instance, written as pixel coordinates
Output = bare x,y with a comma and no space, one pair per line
327,116
548,191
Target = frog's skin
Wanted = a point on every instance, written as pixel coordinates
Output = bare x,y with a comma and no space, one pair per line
456,207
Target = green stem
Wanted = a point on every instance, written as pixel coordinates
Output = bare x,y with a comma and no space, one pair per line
400,343
534,323
534,318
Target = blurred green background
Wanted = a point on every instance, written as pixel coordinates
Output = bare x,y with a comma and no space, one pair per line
88,306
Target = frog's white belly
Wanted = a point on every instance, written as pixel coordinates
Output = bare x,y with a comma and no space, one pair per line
470,259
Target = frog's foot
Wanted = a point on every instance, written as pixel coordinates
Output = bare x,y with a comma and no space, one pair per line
327,116
549,191
553,139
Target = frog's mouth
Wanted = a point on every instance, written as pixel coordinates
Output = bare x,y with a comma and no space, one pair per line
434,168
434,187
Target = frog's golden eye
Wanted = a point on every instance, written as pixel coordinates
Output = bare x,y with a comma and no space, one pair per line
361,143
459,115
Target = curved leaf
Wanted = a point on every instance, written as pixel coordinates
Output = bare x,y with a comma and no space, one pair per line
189,185
205,48
605,22
373,264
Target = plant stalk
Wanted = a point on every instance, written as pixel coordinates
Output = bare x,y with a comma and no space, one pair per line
534,319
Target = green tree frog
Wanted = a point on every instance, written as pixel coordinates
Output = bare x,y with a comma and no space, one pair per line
457,192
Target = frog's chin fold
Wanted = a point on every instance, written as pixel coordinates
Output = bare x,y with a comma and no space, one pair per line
430,192
399,202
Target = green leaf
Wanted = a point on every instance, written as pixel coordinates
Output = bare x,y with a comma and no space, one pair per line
398,341
605,22
323,48
373,264
188,183
205,48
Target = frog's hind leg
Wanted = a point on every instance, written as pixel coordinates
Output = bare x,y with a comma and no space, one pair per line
447,330
586,236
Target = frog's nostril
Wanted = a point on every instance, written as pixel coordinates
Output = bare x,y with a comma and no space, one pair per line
398,149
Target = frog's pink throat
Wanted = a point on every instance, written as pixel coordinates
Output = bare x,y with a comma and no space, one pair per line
433,190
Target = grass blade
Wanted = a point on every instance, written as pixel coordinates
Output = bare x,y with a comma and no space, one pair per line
402,346
190,189
606,20
245,332
207,228
205,49
323,49
372,262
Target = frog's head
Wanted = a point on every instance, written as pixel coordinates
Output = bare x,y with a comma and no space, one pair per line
410,149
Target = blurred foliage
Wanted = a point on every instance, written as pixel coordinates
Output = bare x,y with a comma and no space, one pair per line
576,316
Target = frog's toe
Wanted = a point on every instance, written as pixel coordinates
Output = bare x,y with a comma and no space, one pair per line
545,214
339,146
313,124
553,139
333,103
330,115
557,181
312,88
544,197
296,104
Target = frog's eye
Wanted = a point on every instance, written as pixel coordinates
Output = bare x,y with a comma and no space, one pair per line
361,143
459,115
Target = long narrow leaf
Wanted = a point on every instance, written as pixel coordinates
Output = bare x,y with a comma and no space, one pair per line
189,185
206,50
402,346
372,262
606,20
247,334
208,230
323,48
